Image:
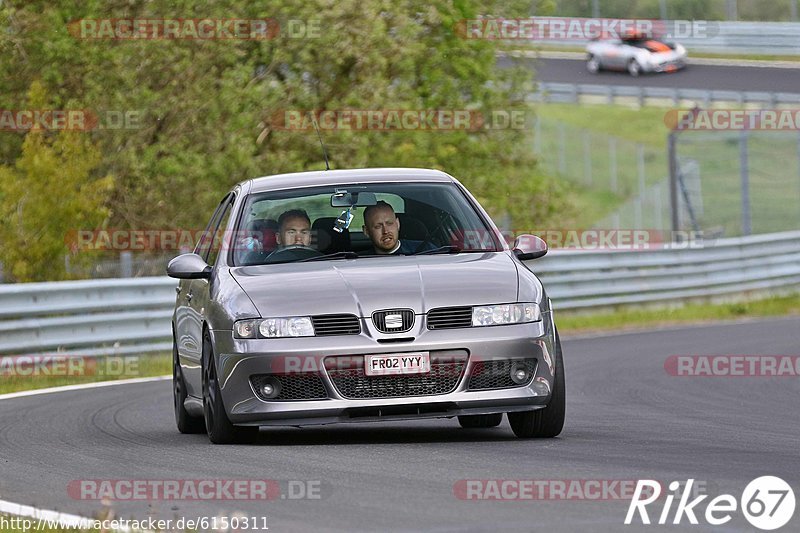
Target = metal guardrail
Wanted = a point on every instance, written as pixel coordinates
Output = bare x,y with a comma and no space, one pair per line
574,92
120,316
763,38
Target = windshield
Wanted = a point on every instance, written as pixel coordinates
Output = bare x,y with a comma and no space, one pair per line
368,220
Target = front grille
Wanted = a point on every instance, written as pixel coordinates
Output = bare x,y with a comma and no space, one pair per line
450,317
352,383
325,325
301,386
393,320
496,374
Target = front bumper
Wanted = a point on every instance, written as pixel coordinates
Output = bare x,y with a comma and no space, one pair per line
668,66
238,360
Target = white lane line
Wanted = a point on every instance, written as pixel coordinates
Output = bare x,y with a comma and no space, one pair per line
82,386
53,517
45,515
47,519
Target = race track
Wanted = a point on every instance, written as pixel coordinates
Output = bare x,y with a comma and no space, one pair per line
714,77
627,419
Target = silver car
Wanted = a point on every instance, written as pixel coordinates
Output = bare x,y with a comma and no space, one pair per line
287,319
635,54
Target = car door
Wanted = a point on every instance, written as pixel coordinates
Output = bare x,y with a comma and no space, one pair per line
194,297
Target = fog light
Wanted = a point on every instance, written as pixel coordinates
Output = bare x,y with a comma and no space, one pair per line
520,375
271,388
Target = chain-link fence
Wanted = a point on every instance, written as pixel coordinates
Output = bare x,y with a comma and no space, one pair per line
733,183
728,183
630,178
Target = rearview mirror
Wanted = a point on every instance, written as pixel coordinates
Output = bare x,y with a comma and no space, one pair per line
529,247
350,199
188,266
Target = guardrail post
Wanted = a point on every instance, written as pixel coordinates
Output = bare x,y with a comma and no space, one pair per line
657,207
745,177
673,181
125,264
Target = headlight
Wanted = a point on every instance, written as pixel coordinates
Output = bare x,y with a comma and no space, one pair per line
272,328
496,315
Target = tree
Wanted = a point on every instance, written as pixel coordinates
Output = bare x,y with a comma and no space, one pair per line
49,191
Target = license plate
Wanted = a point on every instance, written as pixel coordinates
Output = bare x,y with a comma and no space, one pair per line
397,363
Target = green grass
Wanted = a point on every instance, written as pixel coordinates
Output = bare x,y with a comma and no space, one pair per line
774,163
147,365
632,318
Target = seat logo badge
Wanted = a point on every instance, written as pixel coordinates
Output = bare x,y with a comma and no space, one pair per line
394,321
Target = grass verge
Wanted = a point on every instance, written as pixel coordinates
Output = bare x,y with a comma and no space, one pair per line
20,374
632,319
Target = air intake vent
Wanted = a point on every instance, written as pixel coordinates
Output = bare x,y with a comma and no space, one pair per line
450,317
325,325
393,320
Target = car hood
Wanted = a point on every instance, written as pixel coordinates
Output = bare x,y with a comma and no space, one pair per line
362,286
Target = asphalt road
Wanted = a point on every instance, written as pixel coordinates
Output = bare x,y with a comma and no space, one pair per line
627,419
727,78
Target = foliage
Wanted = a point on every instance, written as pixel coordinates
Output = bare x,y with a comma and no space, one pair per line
206,108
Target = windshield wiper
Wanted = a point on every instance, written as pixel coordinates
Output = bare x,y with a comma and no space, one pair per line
335,255
449,249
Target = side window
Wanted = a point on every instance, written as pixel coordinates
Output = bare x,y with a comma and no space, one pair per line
204,243
219,235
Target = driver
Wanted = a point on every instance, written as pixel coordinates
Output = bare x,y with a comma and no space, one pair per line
382,227
294,229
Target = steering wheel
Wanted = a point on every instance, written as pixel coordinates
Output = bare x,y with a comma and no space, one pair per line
292,253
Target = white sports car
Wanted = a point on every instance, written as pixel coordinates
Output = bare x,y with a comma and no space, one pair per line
636,54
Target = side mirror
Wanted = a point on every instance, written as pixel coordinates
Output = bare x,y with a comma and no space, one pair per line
529,247
188,266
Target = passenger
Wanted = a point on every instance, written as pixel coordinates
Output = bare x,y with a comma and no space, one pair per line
382,227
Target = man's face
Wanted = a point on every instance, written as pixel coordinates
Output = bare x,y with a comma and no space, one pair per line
383,229
295,231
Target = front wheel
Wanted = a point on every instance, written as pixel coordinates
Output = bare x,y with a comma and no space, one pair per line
480,421
218,426
634,68
547,422
592,64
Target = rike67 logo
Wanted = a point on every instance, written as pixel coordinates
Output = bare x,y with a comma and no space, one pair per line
767,503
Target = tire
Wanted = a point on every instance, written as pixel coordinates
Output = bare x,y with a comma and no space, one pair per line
634,68
186,423
480,421
592,64
219,428
547,422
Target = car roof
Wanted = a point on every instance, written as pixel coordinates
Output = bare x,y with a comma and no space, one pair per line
341,177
